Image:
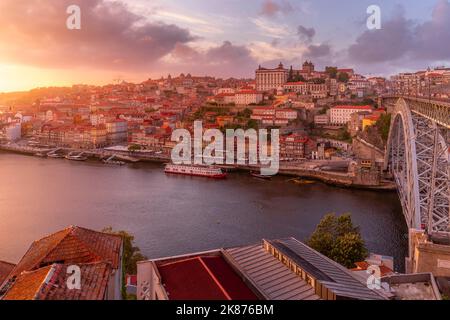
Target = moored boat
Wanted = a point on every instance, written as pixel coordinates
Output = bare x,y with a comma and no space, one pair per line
303,181
114,162
40,154
260,176
76,158
55,155
195,170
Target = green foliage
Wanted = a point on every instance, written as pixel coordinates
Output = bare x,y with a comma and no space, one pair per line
323,110
131,297
252,124
344,135
134,147
200,113
338,239
246,113
343,77
368,101
131,255
298,77
332,72
383,125
378,133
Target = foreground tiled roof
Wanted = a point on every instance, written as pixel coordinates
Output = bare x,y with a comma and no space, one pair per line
271,277
203,278
27,285
5,269
71,245
50,283
331,274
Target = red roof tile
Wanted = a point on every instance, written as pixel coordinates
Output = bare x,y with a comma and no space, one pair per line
71,245
363,265
5,269
203,278
353,107
50,283
27,285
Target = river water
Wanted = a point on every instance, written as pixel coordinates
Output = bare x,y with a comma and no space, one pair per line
170,215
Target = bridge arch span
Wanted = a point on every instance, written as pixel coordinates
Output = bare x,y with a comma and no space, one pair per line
417,157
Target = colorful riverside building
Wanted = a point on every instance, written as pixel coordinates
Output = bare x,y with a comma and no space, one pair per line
284,269
43,272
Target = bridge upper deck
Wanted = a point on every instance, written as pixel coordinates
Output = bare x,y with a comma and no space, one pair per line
433,109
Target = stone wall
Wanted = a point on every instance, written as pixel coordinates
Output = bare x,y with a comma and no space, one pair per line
365,150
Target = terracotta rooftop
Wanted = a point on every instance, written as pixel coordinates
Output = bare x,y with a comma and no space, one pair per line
364,265
5,269
50,283
71,245
203,278
353,107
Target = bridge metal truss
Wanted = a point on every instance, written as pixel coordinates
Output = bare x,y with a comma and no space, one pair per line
418,157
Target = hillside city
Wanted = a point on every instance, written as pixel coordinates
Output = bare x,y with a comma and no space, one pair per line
322,115
333,128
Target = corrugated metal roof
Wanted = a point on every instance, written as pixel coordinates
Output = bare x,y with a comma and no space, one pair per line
333,275
271,277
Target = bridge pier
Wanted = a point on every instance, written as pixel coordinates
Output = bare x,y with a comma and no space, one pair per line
428,253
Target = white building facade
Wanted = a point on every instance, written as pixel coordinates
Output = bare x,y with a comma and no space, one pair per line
340,115
271,79
246,97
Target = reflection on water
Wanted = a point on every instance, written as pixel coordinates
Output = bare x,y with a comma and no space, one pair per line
172,215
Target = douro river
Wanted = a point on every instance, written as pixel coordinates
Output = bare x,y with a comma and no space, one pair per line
171,215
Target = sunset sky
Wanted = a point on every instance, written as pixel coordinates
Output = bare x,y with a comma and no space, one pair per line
137,39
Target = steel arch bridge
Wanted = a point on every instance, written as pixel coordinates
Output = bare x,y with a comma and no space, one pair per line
417,156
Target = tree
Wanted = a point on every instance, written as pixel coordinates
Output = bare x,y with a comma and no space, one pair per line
131,254
332,72
134,147
252,124
298,77
383,125
323,110
338,239
246,113
349,249
344,135
343,77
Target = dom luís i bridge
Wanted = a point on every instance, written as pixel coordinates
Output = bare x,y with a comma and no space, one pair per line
417,157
